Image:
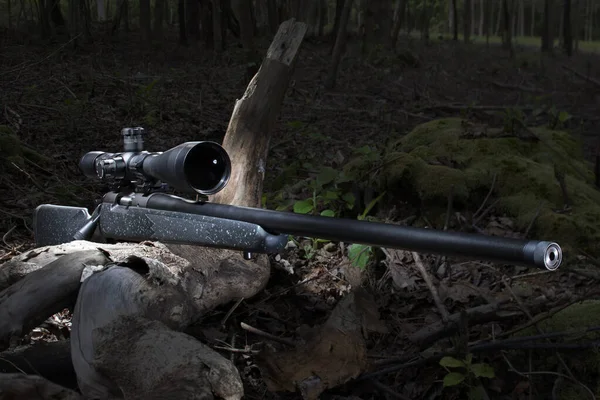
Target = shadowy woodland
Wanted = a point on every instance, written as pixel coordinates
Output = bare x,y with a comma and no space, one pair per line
464,115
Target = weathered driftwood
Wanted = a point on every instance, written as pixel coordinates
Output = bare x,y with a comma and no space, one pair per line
31,387
150,361
50,360
30,301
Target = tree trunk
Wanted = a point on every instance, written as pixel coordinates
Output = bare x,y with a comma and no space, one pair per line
9,13
472,17
273,15
253,119
399,18
521,18
192,23
206,18
243,11
590,20
425,16
323,16
567,32
546,29
489,21
532,27
467,21
217,13
181,18
145,20
339,45
482,8
499,19
135,299
506,11
159,16
455,20
101,8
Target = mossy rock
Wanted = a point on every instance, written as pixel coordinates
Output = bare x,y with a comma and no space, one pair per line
455,154
585,364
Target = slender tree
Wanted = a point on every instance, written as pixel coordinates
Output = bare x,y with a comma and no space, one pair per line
546,29
339,45
567,32
467,21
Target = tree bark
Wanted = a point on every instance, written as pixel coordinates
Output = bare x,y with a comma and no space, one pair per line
547,39
243,12
145,20
339,45
181,18
532,27
507,17
399,18
101,9
159,17
455,20
273,16
567,30
482,8
192,23
217,13
467,21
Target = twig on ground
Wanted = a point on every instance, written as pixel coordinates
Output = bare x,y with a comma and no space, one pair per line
515,87
526,375
530,316
487,197
484,213
266,335
387,390
231,310
582,76
535,217
430,285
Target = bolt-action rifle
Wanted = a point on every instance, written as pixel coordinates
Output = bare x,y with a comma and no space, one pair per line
137,208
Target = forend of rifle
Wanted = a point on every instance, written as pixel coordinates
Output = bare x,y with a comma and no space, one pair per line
193,167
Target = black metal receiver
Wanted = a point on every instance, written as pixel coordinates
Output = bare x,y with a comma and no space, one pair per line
135,210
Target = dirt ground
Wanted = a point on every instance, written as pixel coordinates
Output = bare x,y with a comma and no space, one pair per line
62,102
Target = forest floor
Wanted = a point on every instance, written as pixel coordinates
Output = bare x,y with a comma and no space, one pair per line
62,102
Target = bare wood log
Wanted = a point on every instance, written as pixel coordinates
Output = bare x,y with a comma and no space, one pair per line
50,360
254,115
31,387
19,266
42,293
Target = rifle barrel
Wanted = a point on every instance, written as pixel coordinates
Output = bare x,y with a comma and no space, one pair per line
541,254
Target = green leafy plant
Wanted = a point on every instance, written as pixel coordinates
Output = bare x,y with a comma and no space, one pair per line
558,119
513,120
466,373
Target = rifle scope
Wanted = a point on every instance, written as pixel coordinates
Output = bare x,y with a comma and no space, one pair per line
197,167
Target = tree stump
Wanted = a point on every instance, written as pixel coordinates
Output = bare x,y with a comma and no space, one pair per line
135,299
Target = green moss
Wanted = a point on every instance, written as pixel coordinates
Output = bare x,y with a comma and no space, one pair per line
454,153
